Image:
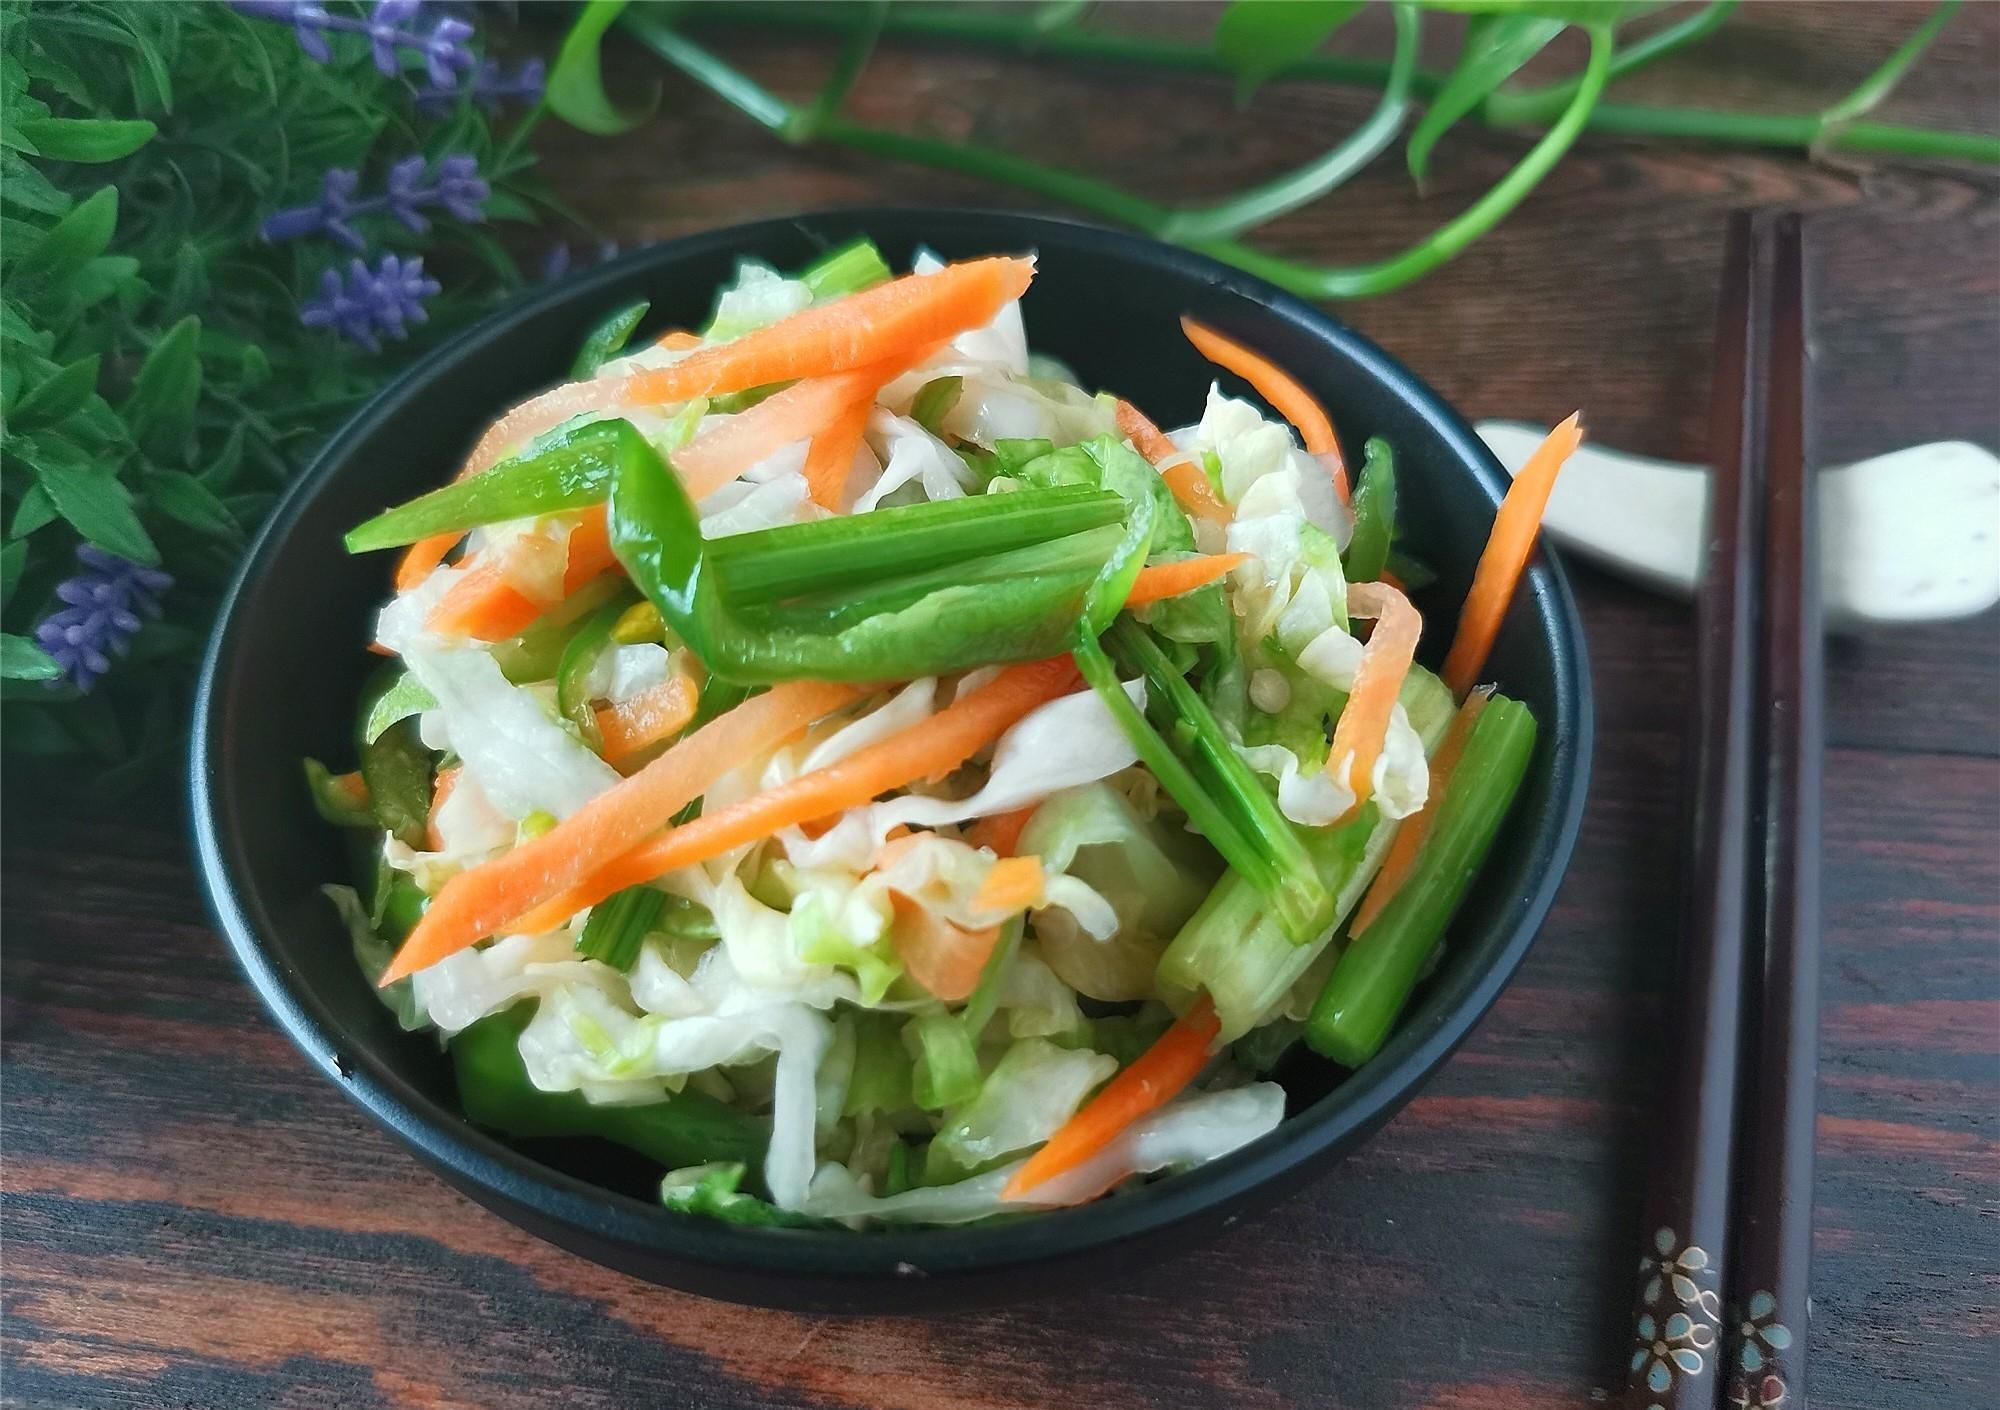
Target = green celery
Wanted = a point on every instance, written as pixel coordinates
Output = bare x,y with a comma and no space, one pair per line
494,1090
1373,979
607,340
934,401
768,565
1374,514
572,470
618,927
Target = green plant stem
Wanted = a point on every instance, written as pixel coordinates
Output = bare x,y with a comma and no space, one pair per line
1879,84
985,28
1326,173
1361,281
853,58
1537,106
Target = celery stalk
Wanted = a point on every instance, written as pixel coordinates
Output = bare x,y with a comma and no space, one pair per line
1375,976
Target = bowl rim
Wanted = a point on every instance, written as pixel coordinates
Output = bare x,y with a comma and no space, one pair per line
486,1166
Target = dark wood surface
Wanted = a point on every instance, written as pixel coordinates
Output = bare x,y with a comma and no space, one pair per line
194,1218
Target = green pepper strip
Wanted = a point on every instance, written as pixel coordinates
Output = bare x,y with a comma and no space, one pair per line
1374,514
619,925
397,769
657,536
766,565
606,340
572,696
687,1129
571,471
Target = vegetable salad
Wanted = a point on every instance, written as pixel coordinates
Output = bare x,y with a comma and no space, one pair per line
840,758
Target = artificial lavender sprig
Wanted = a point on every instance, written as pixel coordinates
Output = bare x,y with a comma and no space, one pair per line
489,86
392,27
560,259
106,606
456,188
368,304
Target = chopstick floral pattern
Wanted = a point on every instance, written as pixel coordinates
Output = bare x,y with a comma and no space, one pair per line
1675,1343
1760,1339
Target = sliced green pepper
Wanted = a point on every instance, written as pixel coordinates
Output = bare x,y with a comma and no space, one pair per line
1374,514
607,340
397,769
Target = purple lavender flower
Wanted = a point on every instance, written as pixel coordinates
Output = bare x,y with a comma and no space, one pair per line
370,303
105,607
489,86
392,27
557,262
455,186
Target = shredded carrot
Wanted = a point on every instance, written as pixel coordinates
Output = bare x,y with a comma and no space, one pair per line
353,785
647,718
1155,1078
476,903
447,779
1000,833
1364,721
870,326
675,339
1180,469
1158,580
1281,390
1014,884
830,461
930,748
1410,837
1391,580
1506,554
484,605
945,959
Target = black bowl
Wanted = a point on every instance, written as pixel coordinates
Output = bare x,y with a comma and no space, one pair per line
287,662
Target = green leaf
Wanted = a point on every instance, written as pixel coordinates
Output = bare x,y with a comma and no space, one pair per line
35,510
71,243
22,184
13,558
1256,38
576,83
22,660
87,139
160,409
186,500
1495,48
97,506
55,396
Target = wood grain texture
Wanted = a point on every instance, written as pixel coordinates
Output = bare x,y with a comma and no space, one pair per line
194,1218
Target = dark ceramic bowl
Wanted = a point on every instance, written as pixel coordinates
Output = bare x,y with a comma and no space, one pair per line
287,662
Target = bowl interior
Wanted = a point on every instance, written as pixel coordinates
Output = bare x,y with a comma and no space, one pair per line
288,663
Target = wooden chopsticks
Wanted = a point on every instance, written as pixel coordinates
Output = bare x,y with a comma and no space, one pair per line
1721,1309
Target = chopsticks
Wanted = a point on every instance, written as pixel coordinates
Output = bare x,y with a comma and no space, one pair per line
1721,1310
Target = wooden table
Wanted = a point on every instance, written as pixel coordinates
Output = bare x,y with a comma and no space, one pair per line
193,1218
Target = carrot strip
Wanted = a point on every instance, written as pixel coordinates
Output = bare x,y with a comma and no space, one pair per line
1506,554
1014,884
830,460
1000,833
1155,1078
1158,580
1281,390
1184,476
930,748
1364,721
485,606
945,959
647,718
354,786
447,779
870,326
674,339
1402,857
476,903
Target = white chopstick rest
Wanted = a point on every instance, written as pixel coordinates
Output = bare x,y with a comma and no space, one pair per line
1912,536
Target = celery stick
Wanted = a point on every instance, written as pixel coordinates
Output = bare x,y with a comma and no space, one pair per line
1374,977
